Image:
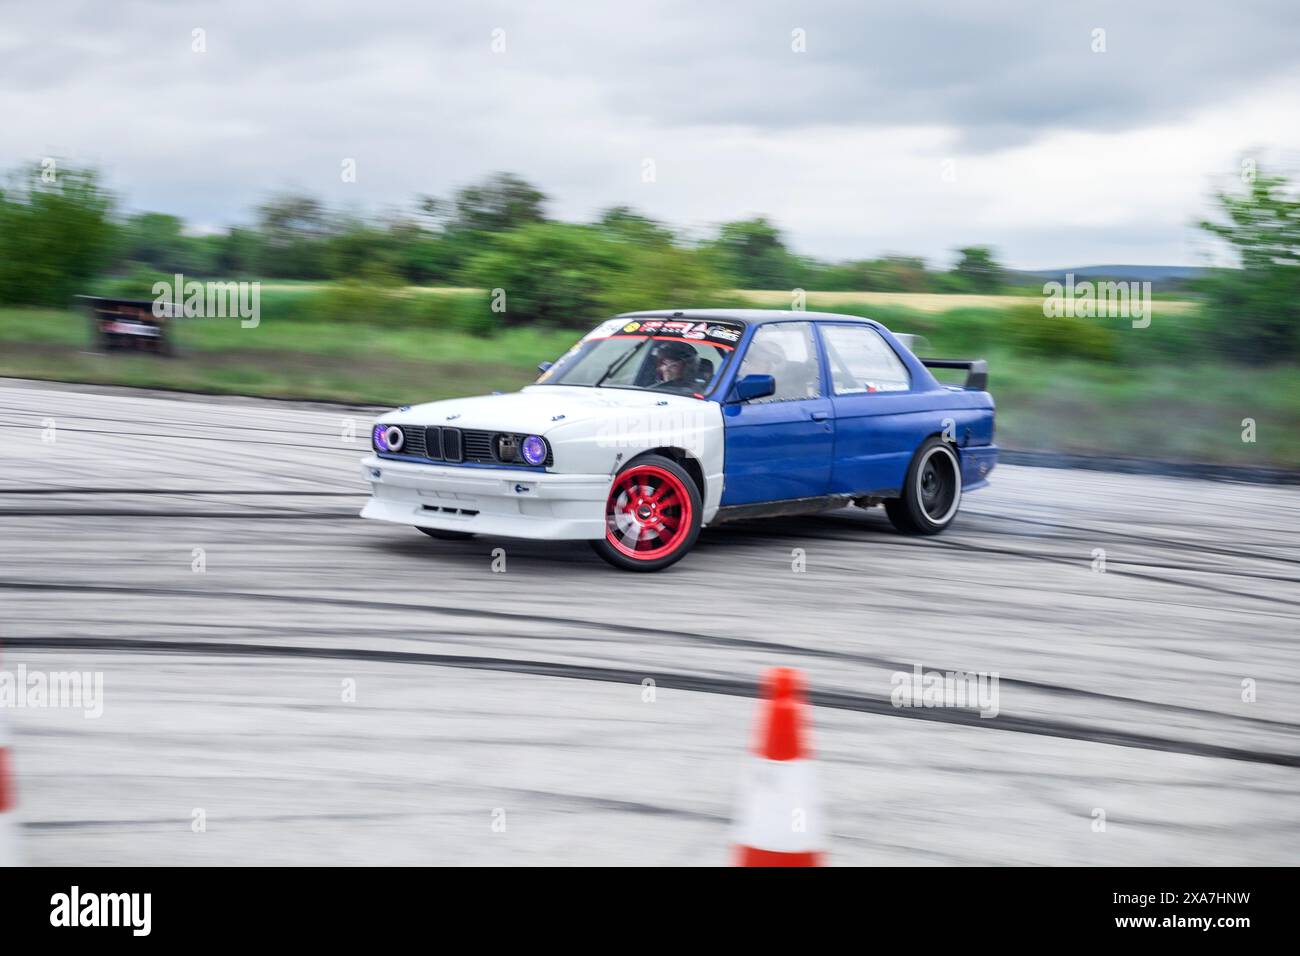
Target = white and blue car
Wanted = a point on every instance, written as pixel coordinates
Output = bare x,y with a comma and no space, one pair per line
658,424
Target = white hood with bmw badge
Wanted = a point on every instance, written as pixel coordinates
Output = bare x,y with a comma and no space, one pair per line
591,431
539,408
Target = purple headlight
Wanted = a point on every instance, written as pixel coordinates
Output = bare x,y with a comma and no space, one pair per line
388,438
533,450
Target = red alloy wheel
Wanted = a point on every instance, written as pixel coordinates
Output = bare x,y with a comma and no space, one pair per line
648,514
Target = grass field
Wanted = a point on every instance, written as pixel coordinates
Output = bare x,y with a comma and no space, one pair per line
781,298
299,359
1179,408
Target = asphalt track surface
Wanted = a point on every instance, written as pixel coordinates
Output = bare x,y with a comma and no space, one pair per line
502,717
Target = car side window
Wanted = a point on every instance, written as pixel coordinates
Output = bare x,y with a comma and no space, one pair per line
787,352
862,361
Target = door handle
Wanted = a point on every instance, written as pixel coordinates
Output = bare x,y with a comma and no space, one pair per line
820,416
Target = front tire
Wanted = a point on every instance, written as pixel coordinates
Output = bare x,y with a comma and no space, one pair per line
446,535
931,491
652,515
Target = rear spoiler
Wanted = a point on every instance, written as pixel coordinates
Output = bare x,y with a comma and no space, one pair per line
977,370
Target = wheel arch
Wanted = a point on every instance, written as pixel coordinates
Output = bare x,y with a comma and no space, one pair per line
689,462
951,443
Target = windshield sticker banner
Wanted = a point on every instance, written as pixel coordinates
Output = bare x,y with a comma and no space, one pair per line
724,334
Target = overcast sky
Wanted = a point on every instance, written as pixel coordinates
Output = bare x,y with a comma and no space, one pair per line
902,127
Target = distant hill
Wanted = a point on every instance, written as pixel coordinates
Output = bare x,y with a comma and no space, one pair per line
1119,273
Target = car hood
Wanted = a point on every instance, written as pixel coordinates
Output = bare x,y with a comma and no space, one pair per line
537,409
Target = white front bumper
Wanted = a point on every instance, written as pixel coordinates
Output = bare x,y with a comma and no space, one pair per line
492,501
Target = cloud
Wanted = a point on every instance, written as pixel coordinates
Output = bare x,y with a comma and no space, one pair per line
1062,154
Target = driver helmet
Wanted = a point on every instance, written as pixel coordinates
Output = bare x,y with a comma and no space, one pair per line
679,351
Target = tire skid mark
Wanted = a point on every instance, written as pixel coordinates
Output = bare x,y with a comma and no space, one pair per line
1141,538
142,513
210,438
1114,566
1056,558
179,423
757,529
658,635
1111,569
563,798
835,700
293,433
897,541
241,493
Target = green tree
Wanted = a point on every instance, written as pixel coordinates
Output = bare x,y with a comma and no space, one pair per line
500,203
897,274
55,235
977,271
1257,306
153,239
839,277
158,241
664,276
425,258
752,254
235,252
570,276
361,250
550,273
624,222
292,235
456,229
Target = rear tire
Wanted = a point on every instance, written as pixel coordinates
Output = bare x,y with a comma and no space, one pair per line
446,535
652,515
931,491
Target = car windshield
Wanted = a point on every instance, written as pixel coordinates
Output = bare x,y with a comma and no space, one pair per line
664,355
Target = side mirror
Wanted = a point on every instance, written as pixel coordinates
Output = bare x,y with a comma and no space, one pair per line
546,366
754,386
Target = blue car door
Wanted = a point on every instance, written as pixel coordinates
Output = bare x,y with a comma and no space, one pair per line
879,418
779,447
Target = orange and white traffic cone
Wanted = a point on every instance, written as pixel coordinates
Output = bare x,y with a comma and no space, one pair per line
779,820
